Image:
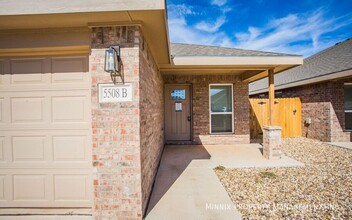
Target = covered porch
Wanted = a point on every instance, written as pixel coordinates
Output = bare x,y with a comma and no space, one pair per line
206,94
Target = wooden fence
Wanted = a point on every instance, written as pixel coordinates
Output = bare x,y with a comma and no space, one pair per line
288,115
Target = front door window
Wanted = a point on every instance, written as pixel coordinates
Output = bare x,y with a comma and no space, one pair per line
178,94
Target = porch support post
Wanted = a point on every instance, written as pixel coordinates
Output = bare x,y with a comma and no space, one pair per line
271,96
272,143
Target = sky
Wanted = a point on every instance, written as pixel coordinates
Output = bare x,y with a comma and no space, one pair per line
302,27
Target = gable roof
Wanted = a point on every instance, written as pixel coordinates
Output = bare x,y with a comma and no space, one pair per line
178,49
331,63
250,65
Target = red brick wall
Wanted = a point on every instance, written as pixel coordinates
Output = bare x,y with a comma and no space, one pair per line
128,138
151,120
324,104
337,113
200,110
116,130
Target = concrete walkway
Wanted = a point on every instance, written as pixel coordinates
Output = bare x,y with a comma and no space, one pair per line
186,186
347,145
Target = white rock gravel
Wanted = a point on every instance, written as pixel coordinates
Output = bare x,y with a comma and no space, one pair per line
322,189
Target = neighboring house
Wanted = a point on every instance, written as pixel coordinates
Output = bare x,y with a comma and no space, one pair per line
71,138
324,84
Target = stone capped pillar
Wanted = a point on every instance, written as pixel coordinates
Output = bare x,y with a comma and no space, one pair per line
272,143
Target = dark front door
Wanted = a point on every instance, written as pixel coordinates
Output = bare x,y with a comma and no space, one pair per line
177,113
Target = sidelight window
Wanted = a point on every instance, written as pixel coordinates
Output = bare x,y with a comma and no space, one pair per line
221,108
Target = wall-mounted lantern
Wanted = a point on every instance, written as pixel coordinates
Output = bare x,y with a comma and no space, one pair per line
113,63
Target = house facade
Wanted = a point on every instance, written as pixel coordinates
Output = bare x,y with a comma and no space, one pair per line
73,135
324,85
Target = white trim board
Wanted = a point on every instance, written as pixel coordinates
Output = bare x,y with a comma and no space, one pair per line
318,79
222,113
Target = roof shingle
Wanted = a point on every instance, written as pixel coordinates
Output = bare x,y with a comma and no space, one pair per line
331,60
178,49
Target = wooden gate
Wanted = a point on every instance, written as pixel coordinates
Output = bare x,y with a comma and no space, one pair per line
288,115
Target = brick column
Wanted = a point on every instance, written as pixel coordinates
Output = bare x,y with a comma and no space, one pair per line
272,143
116,130
128,137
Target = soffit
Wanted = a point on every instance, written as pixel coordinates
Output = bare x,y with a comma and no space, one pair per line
152,22
250,68
25,7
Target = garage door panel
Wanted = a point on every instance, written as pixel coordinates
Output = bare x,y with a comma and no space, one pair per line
47,149
22,66
27,110
2,187
45,133
69,65
63,72
46,188
68,78
29,149
2,149
30,187
70,71
2,111
72,187
70,148
27,79
71,83
69,109
5,150
5,111
27,71
56,110
2,71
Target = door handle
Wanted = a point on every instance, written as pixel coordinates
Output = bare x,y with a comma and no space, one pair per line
189,118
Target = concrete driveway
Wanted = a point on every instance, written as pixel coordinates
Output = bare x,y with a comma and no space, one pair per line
186,186
45,214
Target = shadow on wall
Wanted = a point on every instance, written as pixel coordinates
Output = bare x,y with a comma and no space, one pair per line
174,161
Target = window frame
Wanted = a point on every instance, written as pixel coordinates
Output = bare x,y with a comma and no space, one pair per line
222,113
344,110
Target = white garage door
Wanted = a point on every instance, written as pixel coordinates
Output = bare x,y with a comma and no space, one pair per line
45,132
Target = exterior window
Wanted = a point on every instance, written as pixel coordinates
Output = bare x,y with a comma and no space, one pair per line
221,109
348,107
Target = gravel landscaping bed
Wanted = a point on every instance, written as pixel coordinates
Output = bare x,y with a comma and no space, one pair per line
322,189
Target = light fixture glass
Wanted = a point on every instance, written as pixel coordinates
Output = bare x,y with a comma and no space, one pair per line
112,60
